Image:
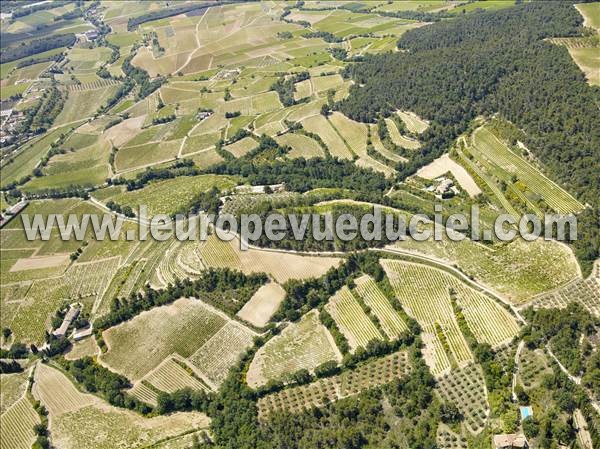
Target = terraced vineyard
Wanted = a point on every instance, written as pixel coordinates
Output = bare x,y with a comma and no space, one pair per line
355,136
494,154
153,252
380,148
29,323
12,388
171,375
316,394
398,138
371,294
221,352
465,388
584,291
139,345
56,392
353,322
144,393
489,322
413,122
302,345
173,267
168,196
320,125
93,85
249,201
189,260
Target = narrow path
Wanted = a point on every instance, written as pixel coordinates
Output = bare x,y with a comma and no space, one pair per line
515,374
572,378
139,167
582,433
198,45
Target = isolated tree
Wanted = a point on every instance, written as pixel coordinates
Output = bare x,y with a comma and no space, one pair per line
6,332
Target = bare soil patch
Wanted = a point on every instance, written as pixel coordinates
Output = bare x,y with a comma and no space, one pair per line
263,304
38,262
444,165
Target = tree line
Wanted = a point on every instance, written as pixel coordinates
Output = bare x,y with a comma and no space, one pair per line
34,46
224,288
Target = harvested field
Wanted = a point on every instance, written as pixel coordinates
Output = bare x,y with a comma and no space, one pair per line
38,262
591,14
119,134
302,345
443,165
263,304
280,265
83,348
206,158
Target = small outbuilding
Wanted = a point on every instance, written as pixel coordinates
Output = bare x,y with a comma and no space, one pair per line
510,441
80,334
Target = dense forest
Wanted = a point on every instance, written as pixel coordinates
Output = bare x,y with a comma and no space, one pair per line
487,63
35,46
301,175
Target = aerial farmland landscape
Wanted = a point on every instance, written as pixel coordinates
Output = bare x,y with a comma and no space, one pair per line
321,224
